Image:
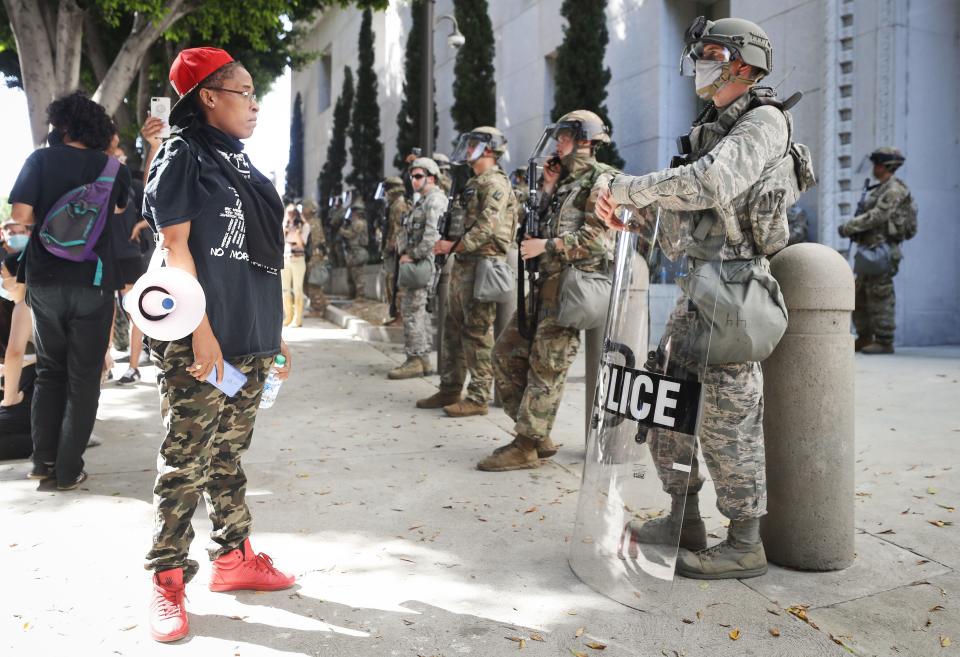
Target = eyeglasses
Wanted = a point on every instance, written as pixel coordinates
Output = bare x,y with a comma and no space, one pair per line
418,176
251,96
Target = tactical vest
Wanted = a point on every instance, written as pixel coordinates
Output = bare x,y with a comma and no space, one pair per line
756,222
566,213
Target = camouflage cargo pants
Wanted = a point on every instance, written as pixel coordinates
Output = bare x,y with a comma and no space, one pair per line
390,279
874,314
355,274
467,337
731,438
530,375
416,329
206,434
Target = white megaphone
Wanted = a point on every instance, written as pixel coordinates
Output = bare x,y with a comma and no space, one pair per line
166,303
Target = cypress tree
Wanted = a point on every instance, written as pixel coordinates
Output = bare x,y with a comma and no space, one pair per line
474,89
366,149
581,80
408,120
330,182
294,181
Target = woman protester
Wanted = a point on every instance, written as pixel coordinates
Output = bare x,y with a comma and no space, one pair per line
221,220
72,302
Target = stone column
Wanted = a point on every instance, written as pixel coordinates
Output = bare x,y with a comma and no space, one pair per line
808,418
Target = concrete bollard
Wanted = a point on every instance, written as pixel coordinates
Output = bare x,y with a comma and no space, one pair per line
808,418
505,311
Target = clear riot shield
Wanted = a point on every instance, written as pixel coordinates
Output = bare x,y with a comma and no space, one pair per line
643,432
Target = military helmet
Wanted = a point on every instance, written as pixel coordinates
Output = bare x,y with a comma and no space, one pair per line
308,205
393,181
587,126
427,165
744,39
442,160
889,156
357,203
471,145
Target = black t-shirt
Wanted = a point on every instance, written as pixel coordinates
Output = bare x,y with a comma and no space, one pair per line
48,174
244,304
120,238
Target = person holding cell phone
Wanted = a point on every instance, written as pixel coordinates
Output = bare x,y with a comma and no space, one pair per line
221,220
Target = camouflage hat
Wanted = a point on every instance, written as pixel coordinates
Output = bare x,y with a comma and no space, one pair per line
427,165
588,125
393,181
744,39
889,156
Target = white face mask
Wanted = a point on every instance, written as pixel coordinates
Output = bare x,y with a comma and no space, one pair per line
706,74
5,293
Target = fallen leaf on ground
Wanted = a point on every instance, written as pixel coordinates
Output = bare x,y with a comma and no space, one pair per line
940,523
734,635
530,510
412,527
937,608
303,476
407,622
537,637
699,615
887,531
578,633
931,491
951,509
687,621
800,611
774,631
577,653
773,611
944,641
596,645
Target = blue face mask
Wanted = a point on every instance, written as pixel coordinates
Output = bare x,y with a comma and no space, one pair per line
18,242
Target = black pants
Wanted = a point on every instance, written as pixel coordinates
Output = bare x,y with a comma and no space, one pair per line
71,328
15,439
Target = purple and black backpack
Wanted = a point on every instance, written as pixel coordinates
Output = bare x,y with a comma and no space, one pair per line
74,224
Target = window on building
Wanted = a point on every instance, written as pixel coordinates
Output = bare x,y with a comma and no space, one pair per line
549,82
325,82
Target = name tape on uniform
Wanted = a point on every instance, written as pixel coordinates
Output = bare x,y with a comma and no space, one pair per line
651,399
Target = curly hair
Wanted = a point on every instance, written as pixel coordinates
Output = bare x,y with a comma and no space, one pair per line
79,118
215,79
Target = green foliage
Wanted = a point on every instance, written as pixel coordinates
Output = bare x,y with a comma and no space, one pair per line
409,119
5,209
366,149
474,88
581,79
330,181
293,189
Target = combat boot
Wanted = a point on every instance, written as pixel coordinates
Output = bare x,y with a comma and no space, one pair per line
739,557
878,348
411,369
439,399
425,363
684,521
521,454
546,448
862,341
466,408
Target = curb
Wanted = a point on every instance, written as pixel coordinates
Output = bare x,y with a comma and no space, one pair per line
361,328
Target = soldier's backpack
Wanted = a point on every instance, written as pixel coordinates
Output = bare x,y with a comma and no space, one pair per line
73,225
904,226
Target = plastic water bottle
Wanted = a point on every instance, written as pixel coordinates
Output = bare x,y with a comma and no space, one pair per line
272,386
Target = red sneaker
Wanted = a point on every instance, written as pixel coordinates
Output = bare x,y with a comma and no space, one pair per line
242,569
168,614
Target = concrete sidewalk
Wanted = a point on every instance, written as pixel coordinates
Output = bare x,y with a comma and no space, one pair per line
401,547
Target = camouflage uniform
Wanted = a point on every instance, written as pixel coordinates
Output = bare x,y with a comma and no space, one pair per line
875,303
336,227
397,207
468,329
530,374
318,260
703,204
416,239
797,219
206,434
355,237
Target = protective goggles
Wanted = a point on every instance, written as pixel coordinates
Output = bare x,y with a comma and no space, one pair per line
471,146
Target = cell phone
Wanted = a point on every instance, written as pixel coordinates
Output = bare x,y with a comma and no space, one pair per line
233,379
160,108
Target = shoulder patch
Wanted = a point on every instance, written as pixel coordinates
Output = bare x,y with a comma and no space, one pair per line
498,195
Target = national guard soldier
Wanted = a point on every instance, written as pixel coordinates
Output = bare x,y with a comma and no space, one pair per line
446,180
354,233
316,259
415,248
530,373
742,133
490,224
885,217
341,203
397,207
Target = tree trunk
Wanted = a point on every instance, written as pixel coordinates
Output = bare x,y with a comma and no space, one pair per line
36,61
67,47
126,66
93,47
143,86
